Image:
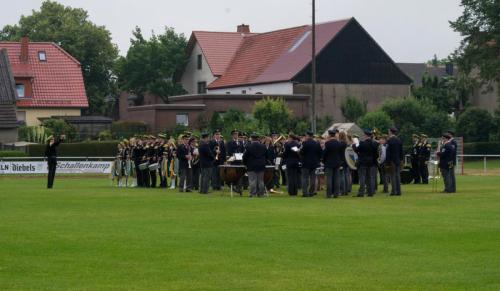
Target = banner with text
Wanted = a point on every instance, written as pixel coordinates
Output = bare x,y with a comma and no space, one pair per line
63,167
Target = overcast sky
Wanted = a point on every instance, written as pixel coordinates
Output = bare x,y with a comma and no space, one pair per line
408,30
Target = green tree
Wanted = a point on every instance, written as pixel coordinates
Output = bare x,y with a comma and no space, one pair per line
376,119
59,126
480,48
475,125
352,109
89,43
272,115
411,116
151,65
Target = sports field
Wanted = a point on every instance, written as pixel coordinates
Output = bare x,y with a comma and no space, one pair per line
85,235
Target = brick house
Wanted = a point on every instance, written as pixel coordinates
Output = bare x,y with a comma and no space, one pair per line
234,69
48,80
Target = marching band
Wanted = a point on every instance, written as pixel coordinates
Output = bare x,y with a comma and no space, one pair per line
307,163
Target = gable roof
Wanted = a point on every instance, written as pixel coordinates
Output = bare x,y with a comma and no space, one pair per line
56,82
8,94
416,71
218,48
276,56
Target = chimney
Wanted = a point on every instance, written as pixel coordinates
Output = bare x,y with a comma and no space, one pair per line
243,28
25,43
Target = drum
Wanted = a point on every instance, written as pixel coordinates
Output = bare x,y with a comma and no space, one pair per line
406,175
231,174
143,166
268,174
153,167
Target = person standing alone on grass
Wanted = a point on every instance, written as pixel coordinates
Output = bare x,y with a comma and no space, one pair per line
446,163
51,154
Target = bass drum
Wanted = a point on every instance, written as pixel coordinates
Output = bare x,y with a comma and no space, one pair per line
406,175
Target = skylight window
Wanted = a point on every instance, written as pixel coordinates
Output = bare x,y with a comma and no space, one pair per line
300,41
42,57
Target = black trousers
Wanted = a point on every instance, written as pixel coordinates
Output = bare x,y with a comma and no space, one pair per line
52,165
308,181
333,178
415,170
292,181
152,175
423,170
205,175
216,183
145,178
140,180
196,177
185,177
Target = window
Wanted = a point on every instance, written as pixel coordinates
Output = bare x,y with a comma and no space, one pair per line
21,116
243,91
42,57
182,119
20,90
202,87
200,62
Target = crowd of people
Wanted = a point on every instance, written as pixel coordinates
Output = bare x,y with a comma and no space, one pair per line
305,163
308,163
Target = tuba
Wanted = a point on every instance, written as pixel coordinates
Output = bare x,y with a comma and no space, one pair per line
351,158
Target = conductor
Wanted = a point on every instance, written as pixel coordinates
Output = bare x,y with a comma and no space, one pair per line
51,155
255,159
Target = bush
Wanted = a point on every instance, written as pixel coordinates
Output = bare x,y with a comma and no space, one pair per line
482,148
59,126
9,154
105,135
127,129
413,116
272,115
38,134
84,149
376,119
475,125
353,109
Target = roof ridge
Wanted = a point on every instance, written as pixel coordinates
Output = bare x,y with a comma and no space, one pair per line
46,43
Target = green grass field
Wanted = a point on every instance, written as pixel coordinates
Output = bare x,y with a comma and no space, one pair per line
85,235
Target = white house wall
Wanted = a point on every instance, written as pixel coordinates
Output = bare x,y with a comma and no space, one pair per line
285,88
192,75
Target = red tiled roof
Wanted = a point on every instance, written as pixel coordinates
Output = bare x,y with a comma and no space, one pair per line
275,56
57,82
218,48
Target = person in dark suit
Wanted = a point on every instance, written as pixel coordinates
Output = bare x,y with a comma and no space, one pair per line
254,159
394,156
234,146
332,159
185,168
454,143
366,161
292,164
51,155
218,148
424,156
446,162
310,154
206,163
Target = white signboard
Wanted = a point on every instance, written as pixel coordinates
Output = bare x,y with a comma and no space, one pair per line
63,167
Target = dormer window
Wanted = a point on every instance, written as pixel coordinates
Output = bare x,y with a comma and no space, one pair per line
42,57
20,90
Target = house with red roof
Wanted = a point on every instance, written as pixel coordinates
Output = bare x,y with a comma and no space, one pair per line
236,69
349,62
48,81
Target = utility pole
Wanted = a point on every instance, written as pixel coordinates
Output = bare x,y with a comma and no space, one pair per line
313,69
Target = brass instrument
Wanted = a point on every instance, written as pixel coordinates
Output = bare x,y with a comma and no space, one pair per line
279,139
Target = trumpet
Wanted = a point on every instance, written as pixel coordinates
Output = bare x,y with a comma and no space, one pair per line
279,139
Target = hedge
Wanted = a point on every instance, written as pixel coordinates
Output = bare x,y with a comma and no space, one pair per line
12,154
482,148
84,149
